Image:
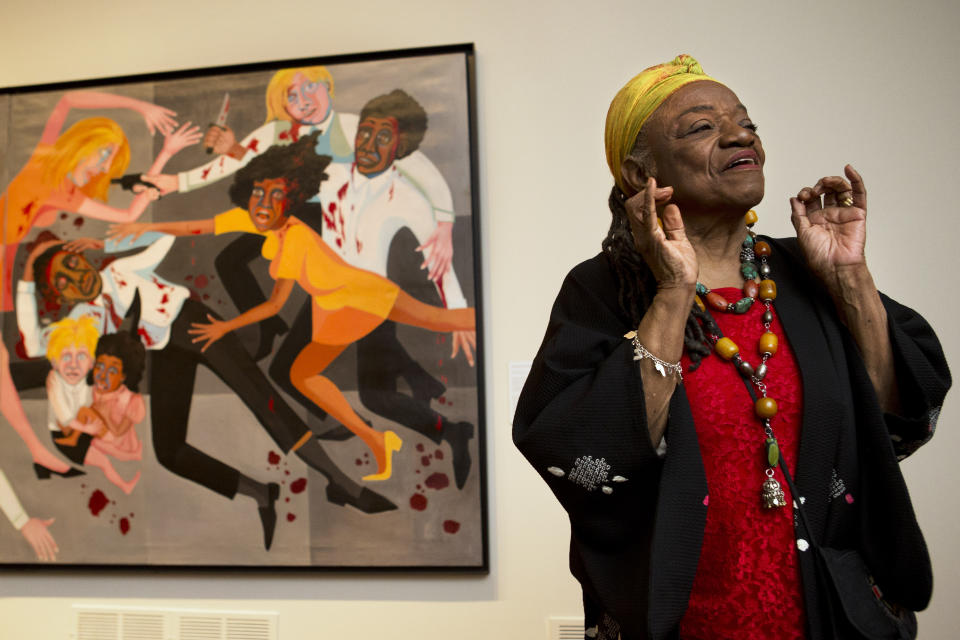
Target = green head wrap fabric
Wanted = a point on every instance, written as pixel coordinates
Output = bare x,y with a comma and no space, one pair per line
637,100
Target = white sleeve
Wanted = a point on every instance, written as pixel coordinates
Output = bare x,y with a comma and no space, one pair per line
418,169
10,505
57,400
422,226
222,166
28,320
158,244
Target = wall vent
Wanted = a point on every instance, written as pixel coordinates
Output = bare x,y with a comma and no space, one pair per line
565,628
98,622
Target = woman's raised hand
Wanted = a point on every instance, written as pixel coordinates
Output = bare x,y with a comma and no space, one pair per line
157,118
185,136
667,251
831,223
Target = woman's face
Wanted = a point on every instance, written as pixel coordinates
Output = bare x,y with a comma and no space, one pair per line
93,165
308,102
75,279
268,204
704,145
74,363
108,373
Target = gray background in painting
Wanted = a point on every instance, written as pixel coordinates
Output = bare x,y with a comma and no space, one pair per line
173,521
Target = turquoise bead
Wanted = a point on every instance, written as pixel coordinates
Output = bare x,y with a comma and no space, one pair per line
748,270
773,452
742,305
748,241
702,290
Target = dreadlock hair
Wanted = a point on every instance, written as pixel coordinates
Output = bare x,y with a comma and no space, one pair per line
637,286
297,163
411,118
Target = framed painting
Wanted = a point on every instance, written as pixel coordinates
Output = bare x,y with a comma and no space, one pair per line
241,317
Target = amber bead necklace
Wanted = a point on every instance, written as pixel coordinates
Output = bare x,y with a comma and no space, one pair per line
751,252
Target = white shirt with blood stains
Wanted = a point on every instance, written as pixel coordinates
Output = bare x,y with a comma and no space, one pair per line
160,300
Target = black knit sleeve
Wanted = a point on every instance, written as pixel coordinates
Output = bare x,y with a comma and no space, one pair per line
581,420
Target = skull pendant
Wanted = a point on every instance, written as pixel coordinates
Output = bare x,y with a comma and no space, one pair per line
772,494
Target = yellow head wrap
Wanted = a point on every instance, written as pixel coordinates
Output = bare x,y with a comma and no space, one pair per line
638,99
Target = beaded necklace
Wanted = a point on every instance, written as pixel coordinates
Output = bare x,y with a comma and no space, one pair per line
765,407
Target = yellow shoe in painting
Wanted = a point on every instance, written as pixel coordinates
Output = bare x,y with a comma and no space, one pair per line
391,443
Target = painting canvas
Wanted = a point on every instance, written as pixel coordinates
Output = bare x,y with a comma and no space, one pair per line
241,318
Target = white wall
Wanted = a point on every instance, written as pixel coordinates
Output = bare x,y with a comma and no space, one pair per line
869,82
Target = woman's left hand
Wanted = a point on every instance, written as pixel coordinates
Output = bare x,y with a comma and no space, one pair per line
208,332
188,134
832,233
158,118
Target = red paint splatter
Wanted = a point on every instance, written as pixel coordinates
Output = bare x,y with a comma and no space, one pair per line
97,502
270,404
451,526
420,447
437,481
287,472
206,296
443,379
165,299
439,454
287,499
188,277
205,173
359,462
298,485
131,514
63,216
144,336
201,281
439,425
291,517
78,222
253,145
273,457
124,526
425,461
442,400
418,502
342,191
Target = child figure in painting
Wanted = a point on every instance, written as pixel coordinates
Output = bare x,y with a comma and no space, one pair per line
69,417
117,404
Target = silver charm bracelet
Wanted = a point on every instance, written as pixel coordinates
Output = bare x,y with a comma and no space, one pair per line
640,352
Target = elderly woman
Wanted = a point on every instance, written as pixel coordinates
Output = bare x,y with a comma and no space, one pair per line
691,356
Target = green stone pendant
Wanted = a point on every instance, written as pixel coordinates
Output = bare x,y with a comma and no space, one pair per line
748,270
742,305
773,452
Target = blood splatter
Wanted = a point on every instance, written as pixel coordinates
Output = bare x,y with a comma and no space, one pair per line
201,281
418,502
287,499
97,502
420,447
291,517
273,457
78,222
439,454
253,145
124,526
442,400
437,481
287,472
298,485
359,462
188,277
451,526
63,216
270,404
425,461
443,379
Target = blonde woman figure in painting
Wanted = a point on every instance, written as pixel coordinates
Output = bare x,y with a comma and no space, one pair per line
70,171
692,362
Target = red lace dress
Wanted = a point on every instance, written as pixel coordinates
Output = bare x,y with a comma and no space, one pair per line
748,582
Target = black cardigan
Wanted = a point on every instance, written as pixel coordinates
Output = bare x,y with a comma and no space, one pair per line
637,526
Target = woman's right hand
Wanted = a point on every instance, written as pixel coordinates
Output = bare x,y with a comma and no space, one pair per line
117,232
667,251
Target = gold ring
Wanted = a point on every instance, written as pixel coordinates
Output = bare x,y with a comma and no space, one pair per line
846,202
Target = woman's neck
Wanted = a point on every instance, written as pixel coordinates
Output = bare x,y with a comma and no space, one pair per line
717,241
